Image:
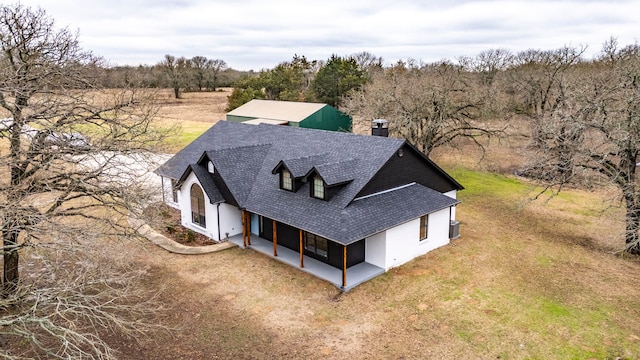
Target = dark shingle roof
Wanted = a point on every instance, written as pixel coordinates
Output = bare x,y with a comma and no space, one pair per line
300,166
239,166
246,155
337,173
205,180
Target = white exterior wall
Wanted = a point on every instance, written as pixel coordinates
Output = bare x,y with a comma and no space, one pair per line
168,193
452,194
211,210
230,220
401,244
375,249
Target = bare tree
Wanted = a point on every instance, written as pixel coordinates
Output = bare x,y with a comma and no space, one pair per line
177,70
65,184
428,104
216,66
200,66
368,62
537,79
591,130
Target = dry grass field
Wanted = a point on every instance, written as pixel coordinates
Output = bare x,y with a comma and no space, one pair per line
192,113
526,280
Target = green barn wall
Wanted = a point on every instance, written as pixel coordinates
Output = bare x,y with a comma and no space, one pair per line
327,118
236,118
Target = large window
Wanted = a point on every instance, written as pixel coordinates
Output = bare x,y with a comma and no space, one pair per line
315,244
286,182
317,190
424,227
197,206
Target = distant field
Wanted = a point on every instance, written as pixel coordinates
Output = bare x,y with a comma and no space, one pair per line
193,113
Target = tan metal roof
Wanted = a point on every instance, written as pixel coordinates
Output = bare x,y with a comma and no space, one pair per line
277,110
266,121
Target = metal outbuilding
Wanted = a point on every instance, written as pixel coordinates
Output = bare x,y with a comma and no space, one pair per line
296,114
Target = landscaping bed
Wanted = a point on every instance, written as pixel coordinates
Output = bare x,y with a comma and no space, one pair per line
166,220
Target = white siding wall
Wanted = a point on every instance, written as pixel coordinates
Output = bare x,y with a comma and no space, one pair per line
401,244
211,210
375,250
452,194
168,194
438,234
230,220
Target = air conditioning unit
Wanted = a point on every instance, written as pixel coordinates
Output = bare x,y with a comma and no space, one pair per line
454,229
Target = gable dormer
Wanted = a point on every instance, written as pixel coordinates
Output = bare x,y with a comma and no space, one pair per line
287,179
292,171
326,180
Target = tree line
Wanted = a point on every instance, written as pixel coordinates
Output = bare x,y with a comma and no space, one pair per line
195,74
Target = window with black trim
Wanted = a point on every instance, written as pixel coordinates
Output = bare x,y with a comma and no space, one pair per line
286,180
316,244
317,188
197,206
424,227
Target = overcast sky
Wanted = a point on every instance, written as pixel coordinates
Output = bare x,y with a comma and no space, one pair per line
257,34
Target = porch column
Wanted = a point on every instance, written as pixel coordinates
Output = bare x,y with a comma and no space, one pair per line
301,251
244,229
248,221
344,266
275,239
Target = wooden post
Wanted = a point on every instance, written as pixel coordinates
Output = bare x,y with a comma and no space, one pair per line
344,267
248,216
275,239
244,235
301,251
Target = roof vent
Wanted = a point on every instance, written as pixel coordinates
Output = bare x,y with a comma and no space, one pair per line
380,127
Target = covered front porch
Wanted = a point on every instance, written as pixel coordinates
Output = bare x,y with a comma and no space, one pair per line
353,276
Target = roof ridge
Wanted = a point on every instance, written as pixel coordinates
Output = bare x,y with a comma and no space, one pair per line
337,162
306,156
240,147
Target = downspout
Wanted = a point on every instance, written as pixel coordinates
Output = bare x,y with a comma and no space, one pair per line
218,216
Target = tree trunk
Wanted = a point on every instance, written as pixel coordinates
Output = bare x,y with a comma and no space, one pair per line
10,271
176,92
632,227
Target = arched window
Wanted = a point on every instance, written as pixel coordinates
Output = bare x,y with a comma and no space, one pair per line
197,206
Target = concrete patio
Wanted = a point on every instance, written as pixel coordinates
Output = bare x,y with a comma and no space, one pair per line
356,274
